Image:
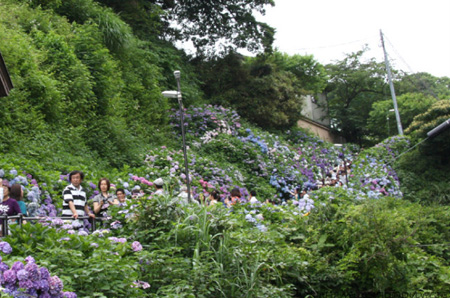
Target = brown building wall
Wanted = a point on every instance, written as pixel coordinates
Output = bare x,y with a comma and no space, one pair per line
321,131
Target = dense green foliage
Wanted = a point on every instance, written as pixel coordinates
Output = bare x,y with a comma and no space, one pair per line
382,121
73,89
425,170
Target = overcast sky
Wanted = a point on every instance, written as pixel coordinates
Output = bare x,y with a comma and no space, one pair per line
417,33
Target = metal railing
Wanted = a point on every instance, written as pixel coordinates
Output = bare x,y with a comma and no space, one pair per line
20,219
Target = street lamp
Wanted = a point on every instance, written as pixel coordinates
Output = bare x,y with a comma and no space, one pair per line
177,94
387,120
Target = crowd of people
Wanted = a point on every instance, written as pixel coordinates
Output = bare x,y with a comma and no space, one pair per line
76,203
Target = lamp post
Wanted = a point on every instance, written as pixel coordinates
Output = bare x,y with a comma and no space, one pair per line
177,94
387,120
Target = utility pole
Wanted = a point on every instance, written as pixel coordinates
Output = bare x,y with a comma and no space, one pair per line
391,85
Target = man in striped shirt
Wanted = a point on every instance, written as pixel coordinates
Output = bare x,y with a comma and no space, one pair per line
74,203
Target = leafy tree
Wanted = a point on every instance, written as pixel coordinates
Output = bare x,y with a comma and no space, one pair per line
266,90
425,83
208,24
115,33
425,122
353,87
272,101
382,123
144,17
311,75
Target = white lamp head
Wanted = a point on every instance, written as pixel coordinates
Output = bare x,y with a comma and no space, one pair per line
170,94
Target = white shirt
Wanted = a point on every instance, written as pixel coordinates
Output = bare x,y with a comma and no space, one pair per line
253,200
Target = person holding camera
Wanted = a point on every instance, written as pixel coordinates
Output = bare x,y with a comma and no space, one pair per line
104,199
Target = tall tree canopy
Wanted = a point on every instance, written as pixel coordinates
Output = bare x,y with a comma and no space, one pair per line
267,90
212,26
424,83
353,87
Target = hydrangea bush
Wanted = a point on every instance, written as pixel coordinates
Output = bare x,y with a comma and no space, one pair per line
29,280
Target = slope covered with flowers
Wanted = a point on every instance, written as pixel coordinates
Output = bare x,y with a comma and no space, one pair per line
336,241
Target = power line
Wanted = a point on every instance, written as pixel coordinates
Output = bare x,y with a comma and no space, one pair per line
424,83
363,40
399,56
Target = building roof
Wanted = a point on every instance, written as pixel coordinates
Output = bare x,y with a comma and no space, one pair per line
5,81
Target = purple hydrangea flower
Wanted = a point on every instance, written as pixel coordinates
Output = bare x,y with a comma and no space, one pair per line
26,284
55,285
10,276
76,224
17,266
5,247
33,271
45,295
22,274
66,227
41,285
69,295
82,233
136,246
30,260
117,240
3,267
57,222
44,273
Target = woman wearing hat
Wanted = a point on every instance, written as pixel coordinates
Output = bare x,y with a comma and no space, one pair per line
159,183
